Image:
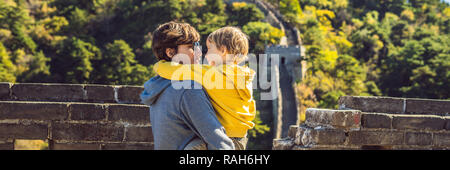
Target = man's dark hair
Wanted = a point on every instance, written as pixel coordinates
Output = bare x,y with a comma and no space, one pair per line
170,35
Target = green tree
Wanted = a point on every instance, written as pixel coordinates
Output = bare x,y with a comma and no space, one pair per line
256,135
261,34
418,66
291,10
118,66
72,64
31,68
6,66
244,13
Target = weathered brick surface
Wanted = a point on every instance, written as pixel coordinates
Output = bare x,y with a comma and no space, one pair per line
376,137
130,94
6,146
322,137
292,131
4,91
33,110
282,144
87,111
128,146
376,147
441,139
418,138
326,147
424,122
427,106
345,119
376,120
100,93
418,147
447,122
139,134
47,92
87,131
27,130
138,114
76,146
299,135
372,104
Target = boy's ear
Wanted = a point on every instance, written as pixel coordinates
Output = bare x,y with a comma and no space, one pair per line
170,52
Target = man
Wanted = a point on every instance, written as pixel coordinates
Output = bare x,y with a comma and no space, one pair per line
177,115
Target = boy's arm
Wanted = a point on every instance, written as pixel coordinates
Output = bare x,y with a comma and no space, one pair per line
197,109
171,71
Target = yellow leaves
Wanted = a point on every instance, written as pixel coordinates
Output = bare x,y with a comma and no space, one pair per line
55,23
379,44
324,3
446,12
323,16
371,21
44,28
275,35
4,34
196,3
321,81
341,42
40,32
391,17
310,11
323,13
21,61
10,3
306,99
340,3
46,10
407,15
239,5
358,23
329,57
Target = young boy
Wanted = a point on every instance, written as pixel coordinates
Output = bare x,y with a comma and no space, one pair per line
227,84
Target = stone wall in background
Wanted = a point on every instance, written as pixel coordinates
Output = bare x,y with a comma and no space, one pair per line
373,123
74,116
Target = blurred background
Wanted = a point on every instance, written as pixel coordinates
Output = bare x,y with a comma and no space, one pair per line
397,48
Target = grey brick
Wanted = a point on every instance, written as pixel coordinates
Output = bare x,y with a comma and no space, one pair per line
418,122
376,137
342,119
376,120
427,106
372,104
418,138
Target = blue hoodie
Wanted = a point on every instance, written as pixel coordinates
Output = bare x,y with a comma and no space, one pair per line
178,116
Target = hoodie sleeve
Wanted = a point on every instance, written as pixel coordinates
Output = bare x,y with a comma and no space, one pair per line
197,108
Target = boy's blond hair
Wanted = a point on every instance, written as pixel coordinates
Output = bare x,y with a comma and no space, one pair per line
233,40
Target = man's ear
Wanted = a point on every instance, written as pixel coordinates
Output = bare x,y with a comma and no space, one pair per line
170,52
223,50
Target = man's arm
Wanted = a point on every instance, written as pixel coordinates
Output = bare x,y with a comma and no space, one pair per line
197,108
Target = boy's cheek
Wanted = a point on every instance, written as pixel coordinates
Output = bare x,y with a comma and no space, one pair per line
212,57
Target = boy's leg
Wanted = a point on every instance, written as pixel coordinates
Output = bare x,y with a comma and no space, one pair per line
240,143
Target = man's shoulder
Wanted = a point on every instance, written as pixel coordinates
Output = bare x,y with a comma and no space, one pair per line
185,85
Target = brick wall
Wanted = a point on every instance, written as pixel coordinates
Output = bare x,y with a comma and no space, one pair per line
74,116
373,123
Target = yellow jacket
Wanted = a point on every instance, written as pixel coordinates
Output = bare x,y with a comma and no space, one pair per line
228,86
